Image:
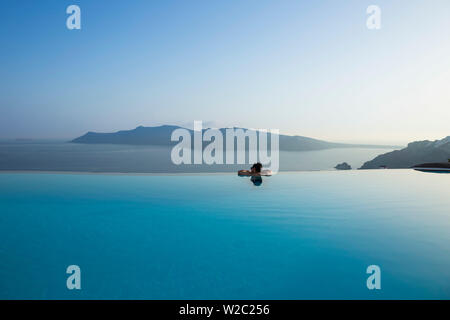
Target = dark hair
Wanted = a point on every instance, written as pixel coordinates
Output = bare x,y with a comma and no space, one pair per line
257,167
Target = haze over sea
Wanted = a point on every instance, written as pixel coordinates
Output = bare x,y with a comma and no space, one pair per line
63,156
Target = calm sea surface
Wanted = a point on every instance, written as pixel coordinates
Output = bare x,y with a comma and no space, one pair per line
57,156
304,235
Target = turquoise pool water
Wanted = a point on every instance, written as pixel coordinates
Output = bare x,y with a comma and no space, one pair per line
305,235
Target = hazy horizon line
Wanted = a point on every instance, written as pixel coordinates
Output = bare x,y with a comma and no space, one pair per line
390,143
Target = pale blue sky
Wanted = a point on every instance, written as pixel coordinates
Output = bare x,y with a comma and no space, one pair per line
305,67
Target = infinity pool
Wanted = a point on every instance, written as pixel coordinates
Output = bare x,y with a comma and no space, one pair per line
305,235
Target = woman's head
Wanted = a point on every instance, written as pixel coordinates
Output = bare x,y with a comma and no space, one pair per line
256,167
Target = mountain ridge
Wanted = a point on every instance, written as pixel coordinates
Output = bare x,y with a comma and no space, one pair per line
160,135
415,153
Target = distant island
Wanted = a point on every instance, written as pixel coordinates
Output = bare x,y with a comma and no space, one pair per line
343,166
414,154
160,136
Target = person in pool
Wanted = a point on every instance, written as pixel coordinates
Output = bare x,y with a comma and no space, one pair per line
255,170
